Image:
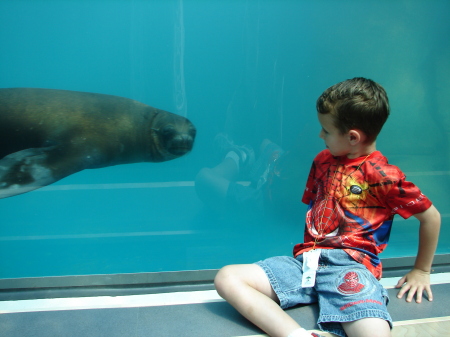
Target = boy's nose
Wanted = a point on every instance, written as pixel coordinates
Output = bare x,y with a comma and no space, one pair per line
321,134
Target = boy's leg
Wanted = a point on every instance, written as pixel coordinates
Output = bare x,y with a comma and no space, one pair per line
367,327
247,288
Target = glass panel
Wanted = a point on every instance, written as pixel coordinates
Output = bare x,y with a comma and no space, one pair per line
251,70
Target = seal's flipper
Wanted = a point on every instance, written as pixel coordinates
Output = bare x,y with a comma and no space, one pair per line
24,171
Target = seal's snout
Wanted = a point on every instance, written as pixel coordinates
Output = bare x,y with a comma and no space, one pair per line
181,144
178,140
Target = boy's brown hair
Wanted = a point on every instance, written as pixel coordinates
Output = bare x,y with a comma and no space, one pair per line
358,103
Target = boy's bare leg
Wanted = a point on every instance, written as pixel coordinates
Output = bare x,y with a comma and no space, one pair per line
367,327
247,288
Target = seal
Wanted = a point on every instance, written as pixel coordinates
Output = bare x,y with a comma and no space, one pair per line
47,134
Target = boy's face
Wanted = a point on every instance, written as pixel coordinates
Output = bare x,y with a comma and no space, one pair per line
335,141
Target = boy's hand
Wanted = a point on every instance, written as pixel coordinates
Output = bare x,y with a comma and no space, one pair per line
415,282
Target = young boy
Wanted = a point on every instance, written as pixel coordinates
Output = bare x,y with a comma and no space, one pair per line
353,195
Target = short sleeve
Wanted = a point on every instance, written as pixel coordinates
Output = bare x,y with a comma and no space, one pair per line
406,199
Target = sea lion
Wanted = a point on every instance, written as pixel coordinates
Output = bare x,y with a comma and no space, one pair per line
46,135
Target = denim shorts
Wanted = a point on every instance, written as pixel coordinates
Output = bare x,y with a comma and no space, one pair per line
345,289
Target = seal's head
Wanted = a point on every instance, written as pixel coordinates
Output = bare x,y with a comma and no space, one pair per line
173,136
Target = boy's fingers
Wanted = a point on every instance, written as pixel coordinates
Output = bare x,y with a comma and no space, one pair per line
413,288
400,282
402,291
411,293
419,293
429,293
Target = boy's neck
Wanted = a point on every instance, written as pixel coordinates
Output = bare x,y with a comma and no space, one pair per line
360,150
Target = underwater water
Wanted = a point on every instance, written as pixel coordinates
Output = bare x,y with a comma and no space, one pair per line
250,69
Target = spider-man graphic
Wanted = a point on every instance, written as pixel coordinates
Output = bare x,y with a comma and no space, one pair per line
351,284
352,203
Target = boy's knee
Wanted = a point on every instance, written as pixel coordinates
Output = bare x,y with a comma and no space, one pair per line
231,279
224,279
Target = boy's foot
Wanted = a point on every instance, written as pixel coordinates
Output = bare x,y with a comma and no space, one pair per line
245,152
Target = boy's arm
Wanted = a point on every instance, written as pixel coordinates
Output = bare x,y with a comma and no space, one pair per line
418,279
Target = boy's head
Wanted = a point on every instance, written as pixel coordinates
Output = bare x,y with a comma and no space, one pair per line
358,103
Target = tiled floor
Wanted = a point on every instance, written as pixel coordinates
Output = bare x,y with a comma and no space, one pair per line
438,326
197,313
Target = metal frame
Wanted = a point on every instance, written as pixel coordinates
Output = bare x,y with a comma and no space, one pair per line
154,282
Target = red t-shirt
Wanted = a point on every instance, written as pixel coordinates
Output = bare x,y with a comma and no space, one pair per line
352,203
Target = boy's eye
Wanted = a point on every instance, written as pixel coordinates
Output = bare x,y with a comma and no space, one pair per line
325,131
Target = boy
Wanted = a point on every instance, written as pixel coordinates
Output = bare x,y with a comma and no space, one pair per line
353,195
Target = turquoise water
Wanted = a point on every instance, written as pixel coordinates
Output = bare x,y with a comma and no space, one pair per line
252,69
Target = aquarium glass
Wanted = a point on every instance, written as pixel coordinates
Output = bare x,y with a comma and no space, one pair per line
243,72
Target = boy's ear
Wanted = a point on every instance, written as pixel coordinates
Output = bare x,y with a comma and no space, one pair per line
356,136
